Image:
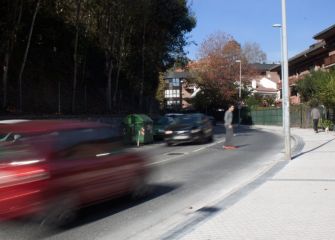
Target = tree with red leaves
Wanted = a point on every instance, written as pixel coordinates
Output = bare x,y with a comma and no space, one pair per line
218,72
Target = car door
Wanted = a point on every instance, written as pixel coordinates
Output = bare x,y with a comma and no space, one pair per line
92,165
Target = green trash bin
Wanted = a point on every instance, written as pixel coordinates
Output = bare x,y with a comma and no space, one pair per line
138,129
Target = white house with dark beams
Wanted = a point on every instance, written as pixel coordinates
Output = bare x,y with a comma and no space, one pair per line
265,83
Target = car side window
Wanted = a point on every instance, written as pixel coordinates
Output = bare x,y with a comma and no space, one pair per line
87,143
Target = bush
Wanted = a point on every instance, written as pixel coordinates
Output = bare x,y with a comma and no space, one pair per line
326,123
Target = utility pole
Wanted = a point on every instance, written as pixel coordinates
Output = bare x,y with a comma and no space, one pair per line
277,25
286,100
239,93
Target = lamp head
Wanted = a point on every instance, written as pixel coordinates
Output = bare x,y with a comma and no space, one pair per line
277,25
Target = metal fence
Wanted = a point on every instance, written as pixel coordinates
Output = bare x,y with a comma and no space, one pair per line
299,116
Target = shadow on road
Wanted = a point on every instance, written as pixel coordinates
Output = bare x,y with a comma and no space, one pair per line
25,229
243,129
106,209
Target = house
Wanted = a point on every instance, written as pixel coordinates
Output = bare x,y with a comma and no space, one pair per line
320,55
178,90
264,82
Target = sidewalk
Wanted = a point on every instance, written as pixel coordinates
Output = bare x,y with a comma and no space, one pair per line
296,202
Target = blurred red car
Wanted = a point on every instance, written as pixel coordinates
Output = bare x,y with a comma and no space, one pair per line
50,168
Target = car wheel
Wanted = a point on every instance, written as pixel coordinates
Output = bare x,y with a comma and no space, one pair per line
61,211
202,138
210,138
169,144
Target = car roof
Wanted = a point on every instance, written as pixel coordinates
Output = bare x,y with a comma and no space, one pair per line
40,126
194,114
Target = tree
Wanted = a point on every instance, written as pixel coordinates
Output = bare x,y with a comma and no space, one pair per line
326,93
218,70
318,86
309,86
106,52
160,90
14,9
75,56
37,7
253,53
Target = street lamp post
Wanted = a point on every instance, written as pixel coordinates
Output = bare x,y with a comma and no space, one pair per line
277,25
239,93
286,109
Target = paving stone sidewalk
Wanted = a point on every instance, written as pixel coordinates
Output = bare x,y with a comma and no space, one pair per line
298,202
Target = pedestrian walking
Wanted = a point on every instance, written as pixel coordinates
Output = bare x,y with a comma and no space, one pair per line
228,120
315,114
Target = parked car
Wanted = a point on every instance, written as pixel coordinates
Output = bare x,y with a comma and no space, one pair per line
189,128
160,125
53,167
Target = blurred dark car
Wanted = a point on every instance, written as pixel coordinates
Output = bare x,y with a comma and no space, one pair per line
212,119
160,125
173,115
189,128
51,168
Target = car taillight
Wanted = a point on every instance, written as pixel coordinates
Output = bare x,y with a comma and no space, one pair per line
24,176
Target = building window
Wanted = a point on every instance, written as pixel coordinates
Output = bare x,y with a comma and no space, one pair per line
173,103
174,93
175,82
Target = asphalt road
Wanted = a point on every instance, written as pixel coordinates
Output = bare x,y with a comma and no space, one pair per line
187,179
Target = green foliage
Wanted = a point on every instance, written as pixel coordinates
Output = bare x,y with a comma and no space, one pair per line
160,91
326,123
313,102
269,101
319,86
252,101
326,92
257,101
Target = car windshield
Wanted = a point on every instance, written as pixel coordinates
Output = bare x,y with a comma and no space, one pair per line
7,137
188,119
174,115
3,136
163,121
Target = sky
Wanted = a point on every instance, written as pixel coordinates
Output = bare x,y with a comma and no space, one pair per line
252,20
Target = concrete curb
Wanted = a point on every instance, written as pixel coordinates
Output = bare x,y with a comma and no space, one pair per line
298,142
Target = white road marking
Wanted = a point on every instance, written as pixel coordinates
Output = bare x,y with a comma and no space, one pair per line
166,160
186,153
199,149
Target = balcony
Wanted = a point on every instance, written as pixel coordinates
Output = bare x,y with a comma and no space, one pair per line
329,61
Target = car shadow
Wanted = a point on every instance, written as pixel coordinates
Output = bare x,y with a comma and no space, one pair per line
28,229
106,209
